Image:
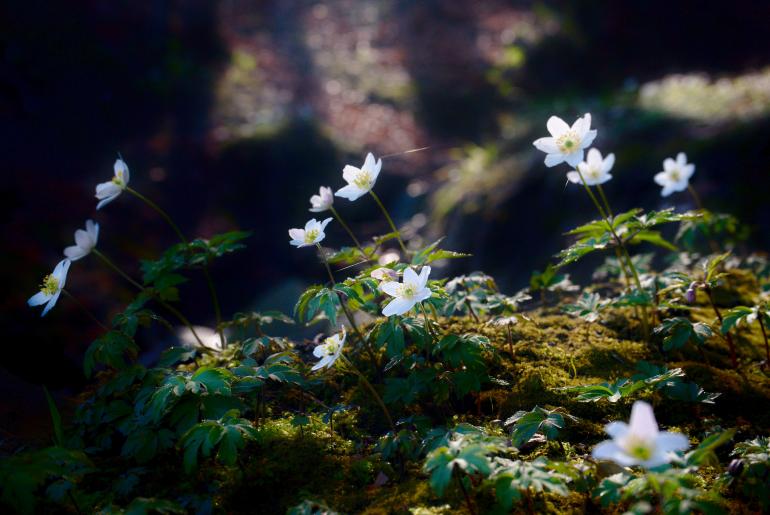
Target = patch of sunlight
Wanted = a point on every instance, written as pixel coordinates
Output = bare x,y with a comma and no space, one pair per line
699,97
479,178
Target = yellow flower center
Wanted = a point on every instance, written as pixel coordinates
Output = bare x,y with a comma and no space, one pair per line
594,173
674,174
567,142
50,285
638,448
331,347
119,180
407,290
363,180
311,235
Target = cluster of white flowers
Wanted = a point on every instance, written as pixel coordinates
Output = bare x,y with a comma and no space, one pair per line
406,294
567,144
85,241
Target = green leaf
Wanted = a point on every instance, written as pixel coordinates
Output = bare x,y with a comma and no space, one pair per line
58,433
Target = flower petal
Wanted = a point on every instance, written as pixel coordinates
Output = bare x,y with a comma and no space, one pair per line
547,145
51,303
410,276
608,162
349,173
611,451
574,158
73,253
397,306
573,177
556,126
552,160
588,138
642,422
390,288
350,192
38,298
669,441
423,277
616,429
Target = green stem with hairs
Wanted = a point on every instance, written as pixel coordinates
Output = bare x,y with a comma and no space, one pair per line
390,220
171,309
635,273
336,215
181,236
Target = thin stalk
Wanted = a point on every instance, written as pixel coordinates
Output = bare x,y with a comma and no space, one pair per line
468,502
698,202
336,215
428,328
764,335
390,220
171,309
181,236
85,310
695,197
510,338
372,390
434,312
635,273
604,199
348,314
728,337
472,311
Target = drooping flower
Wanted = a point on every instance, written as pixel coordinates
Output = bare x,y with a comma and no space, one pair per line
323,201
310,235
566,144
52,286
384,274
85,241
360,180
639,442
414,289
675,175
106,192
595,169
329,351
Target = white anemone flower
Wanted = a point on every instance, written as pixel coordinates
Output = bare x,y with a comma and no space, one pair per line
310,235
52,286
414,289
594,169
85,241
566,144
675,175
360,180
639,442
106,192
329,351
384,274
323,201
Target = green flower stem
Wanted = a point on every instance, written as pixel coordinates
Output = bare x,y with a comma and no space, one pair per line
372,390
348,314
336,215
390,220
618,256
604,199
171,309
85,310
764,335
181,236
635,273
698,202
727,336
695,197
428,328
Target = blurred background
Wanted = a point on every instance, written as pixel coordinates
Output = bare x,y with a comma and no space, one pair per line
231,114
